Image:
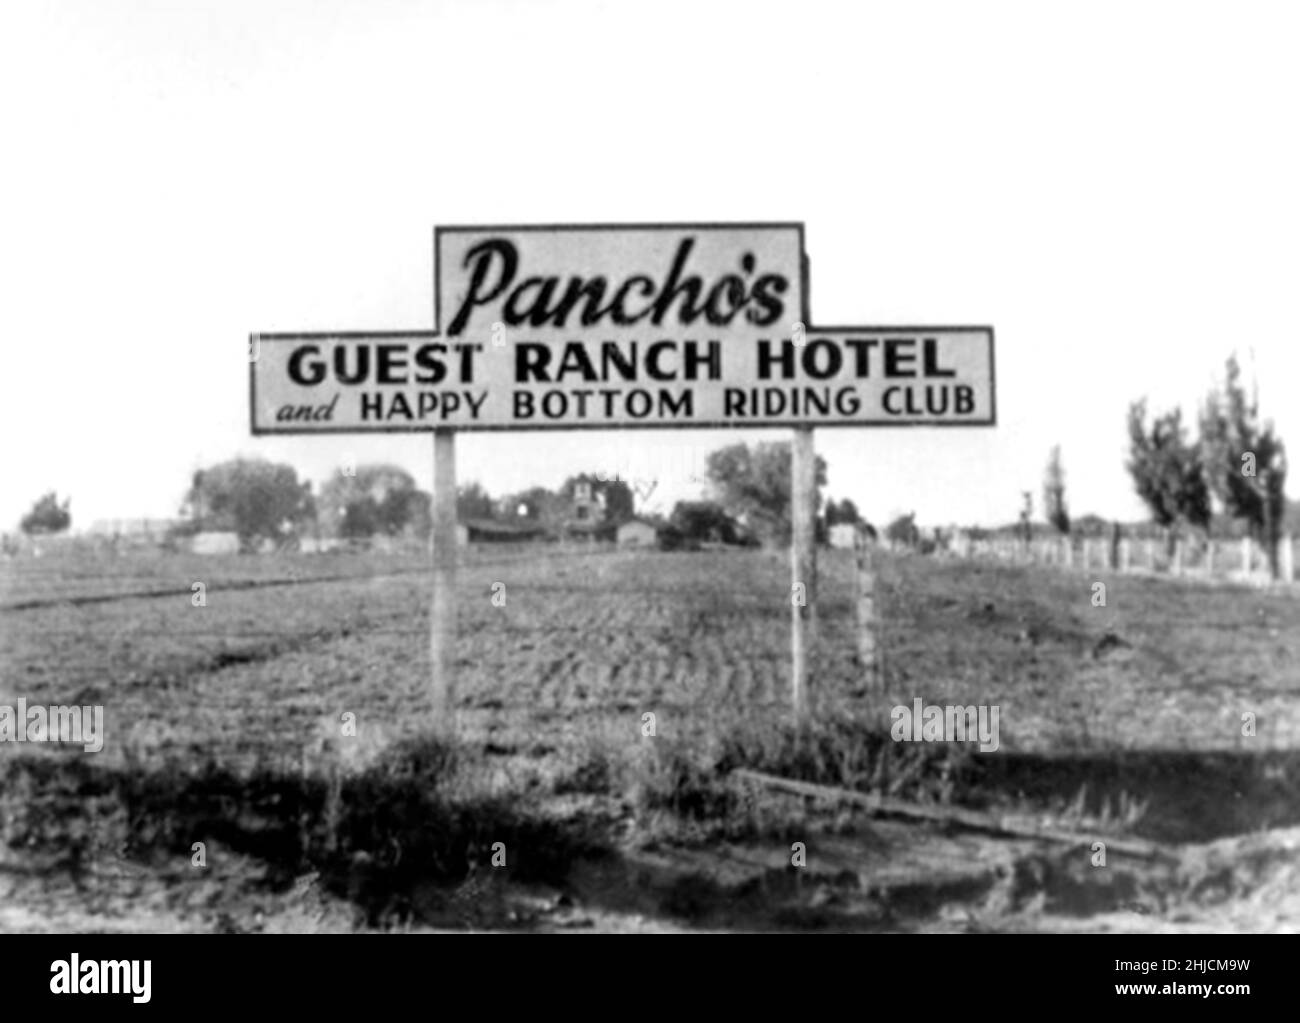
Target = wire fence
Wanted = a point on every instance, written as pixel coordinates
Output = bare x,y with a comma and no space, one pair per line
1242,561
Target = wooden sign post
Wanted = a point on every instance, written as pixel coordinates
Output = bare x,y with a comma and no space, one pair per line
619,326
803,564
444,556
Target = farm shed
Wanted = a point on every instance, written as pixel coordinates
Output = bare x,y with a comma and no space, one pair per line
215,543
590,532
492,531
637,533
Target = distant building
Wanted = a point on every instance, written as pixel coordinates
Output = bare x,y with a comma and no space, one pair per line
493,531
215,543
637,533
590,531
588,507
584,519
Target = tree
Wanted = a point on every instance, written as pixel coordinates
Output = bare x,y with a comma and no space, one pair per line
843,512
704,521
1166,469
903,532
377,499
1054,506
753,484
1244,460
473,502
47,515
358,518
536,505
252,497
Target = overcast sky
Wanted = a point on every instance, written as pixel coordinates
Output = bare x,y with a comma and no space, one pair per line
1114,187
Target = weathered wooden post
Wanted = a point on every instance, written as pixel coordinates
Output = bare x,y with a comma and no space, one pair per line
1067,552
1125,554
1176,562
1245,556
1151,554
1287,559
803,496
1209,557
868,647
442,622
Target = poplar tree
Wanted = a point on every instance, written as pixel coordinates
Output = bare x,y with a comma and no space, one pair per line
1054,506
1166,469
1244,460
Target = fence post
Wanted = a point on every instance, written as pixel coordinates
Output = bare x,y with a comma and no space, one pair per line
1176,565
1287,559
1209,558
868,650
1151,555
1245,555
1125,555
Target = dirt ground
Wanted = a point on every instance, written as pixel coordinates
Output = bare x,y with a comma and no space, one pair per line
223,728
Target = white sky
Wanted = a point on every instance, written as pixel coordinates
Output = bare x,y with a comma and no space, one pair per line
1115,187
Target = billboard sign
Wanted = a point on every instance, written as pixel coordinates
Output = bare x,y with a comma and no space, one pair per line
627,326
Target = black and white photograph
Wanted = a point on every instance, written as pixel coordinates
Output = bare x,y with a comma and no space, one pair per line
590,468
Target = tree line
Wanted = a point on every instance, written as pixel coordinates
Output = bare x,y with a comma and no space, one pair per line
266,502
1233,465
1236,461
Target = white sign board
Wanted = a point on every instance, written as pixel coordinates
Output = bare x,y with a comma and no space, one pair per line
597,327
